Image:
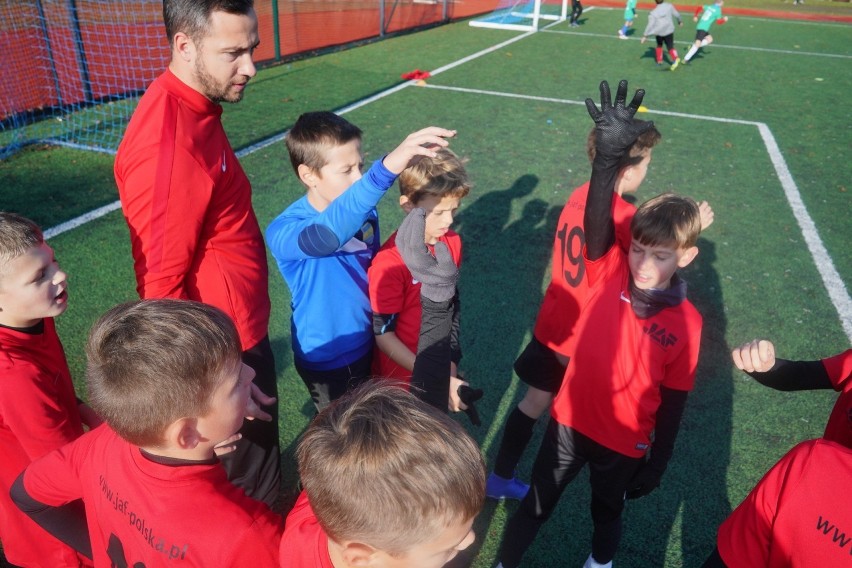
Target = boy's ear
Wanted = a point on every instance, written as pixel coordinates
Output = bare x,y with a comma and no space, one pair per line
183,434
307,175
687,257
405,203
358,554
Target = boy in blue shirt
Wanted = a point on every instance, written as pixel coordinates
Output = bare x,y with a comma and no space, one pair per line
324,242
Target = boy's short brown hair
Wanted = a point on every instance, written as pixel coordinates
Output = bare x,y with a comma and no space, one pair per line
314,134
151,362
640,148
17,235
668,219
441,176
384,468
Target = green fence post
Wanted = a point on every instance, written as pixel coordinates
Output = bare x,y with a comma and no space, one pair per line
276,30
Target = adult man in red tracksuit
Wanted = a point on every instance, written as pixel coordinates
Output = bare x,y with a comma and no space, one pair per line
187,203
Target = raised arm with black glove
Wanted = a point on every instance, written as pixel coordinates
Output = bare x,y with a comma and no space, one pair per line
616,130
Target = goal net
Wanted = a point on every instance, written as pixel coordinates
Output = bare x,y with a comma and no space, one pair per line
522,15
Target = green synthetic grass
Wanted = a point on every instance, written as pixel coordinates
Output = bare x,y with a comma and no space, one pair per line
754,275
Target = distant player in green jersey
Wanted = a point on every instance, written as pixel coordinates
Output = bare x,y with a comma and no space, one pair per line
629,14
708,16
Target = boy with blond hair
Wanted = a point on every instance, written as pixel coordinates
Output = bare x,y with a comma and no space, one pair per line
634,357
425,474
324,243
168,379
436,185
39,411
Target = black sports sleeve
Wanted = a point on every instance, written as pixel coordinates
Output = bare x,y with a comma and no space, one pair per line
67,522
430,379
795,376
714,560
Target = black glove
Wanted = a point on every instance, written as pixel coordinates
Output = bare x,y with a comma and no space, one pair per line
437,274
469,396
646,479
615,125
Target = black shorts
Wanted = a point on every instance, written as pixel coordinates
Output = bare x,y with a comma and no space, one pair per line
701,34
539,367
329,385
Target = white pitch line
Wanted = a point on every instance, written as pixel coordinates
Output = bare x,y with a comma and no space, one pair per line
837,292
723,46
81,220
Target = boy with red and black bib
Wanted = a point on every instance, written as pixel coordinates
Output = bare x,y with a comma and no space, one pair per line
635,354
794,517
436,185
39,411
167,377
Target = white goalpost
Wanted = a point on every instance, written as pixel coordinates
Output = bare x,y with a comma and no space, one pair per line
521,15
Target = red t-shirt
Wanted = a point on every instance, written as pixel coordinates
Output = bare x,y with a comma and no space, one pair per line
304,543
393,290
187,202
798,515
839,427
141,511
38,414
568,286
611,389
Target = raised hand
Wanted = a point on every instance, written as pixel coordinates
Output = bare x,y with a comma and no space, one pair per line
417,144
437,274
616,128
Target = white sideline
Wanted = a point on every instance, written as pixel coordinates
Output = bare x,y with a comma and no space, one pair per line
830,277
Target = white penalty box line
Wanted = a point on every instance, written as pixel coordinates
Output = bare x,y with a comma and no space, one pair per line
831,279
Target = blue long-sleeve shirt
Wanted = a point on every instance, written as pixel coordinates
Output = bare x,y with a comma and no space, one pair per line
324,257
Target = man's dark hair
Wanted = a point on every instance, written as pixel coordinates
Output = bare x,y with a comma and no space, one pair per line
193,16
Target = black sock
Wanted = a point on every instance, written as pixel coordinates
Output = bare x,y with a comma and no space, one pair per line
516,436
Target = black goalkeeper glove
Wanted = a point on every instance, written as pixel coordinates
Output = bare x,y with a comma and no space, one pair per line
437,274
469,396
615,126
646,479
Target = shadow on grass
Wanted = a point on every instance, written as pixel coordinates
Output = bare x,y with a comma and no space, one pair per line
505,261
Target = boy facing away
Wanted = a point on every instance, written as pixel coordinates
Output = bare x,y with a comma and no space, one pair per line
168,379
661,25
774,525
436,185
39,411
635,354
389,480
324,242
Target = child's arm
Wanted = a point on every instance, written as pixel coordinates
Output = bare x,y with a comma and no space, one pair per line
757,358
431,376
393,347
616,131
66,522
647,478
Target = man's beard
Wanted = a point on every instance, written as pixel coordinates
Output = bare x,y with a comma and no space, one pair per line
214,91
